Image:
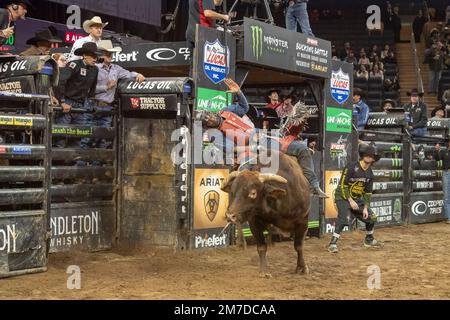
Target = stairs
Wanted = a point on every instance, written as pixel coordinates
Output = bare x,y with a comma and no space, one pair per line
429,99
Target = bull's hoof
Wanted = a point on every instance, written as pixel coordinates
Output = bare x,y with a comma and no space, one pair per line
303,270
265,275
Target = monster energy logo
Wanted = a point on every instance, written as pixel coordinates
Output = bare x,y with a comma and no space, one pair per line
397,163
257,41
439,164
396,148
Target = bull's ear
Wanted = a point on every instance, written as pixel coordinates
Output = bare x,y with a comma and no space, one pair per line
274,192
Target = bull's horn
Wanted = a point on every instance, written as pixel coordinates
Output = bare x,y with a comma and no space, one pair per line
267,177
229,180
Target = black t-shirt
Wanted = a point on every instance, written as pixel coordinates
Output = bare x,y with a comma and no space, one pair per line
5,22
356,183
77,81
196,16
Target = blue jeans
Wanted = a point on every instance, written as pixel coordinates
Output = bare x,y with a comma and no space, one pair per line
84,119
301,152
446,189
298,13
102,121
419,132
434,77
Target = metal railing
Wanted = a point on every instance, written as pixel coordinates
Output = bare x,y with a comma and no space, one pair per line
417,64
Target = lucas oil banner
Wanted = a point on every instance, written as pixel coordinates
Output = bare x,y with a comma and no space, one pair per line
215,60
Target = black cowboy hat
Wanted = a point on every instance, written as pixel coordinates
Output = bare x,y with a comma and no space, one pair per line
89,48
414,92
6,3
369,150
45,35
359,92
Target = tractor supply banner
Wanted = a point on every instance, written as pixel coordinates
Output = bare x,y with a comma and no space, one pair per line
149,103
276,47
210,206
426,207
81,227
215,59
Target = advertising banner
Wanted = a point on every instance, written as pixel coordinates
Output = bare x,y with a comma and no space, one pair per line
210,206
276,47
426,207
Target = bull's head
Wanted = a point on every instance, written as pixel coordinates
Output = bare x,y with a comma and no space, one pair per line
249,190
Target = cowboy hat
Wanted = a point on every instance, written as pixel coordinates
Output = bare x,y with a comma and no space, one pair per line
89,48
95,20
107,45
414,92
358,92
9,2
44,35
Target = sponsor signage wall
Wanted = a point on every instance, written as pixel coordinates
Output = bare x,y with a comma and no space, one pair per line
210,205
150,103
338,137
276,47
74,227
427,207
388,209
212,100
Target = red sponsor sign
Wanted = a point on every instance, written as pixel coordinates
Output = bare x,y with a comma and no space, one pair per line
2,149
71,37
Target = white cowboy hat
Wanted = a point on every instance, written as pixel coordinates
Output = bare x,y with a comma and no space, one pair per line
95,20
107,45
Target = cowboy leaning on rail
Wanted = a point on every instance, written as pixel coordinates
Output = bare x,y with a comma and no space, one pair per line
77,84
109,75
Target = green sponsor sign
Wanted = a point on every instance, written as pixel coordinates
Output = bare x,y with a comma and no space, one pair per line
212,100
339,120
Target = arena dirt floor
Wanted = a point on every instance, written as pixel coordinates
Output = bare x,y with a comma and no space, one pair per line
414,264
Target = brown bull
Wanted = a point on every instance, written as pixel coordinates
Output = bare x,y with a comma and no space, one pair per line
282,200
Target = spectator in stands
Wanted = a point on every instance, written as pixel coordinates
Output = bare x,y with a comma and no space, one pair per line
391,85
334,52
362,72
60,59
360,109
444,156
390,58
14,10
376,72
286,109
363,60
94,27
274,98
346,51
377,61
437,113
417,111
434,56
397,24
385,52
445,96
77,84
375,51
434,37
42,42
351,58
388,105
297,12
418,24
109,75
